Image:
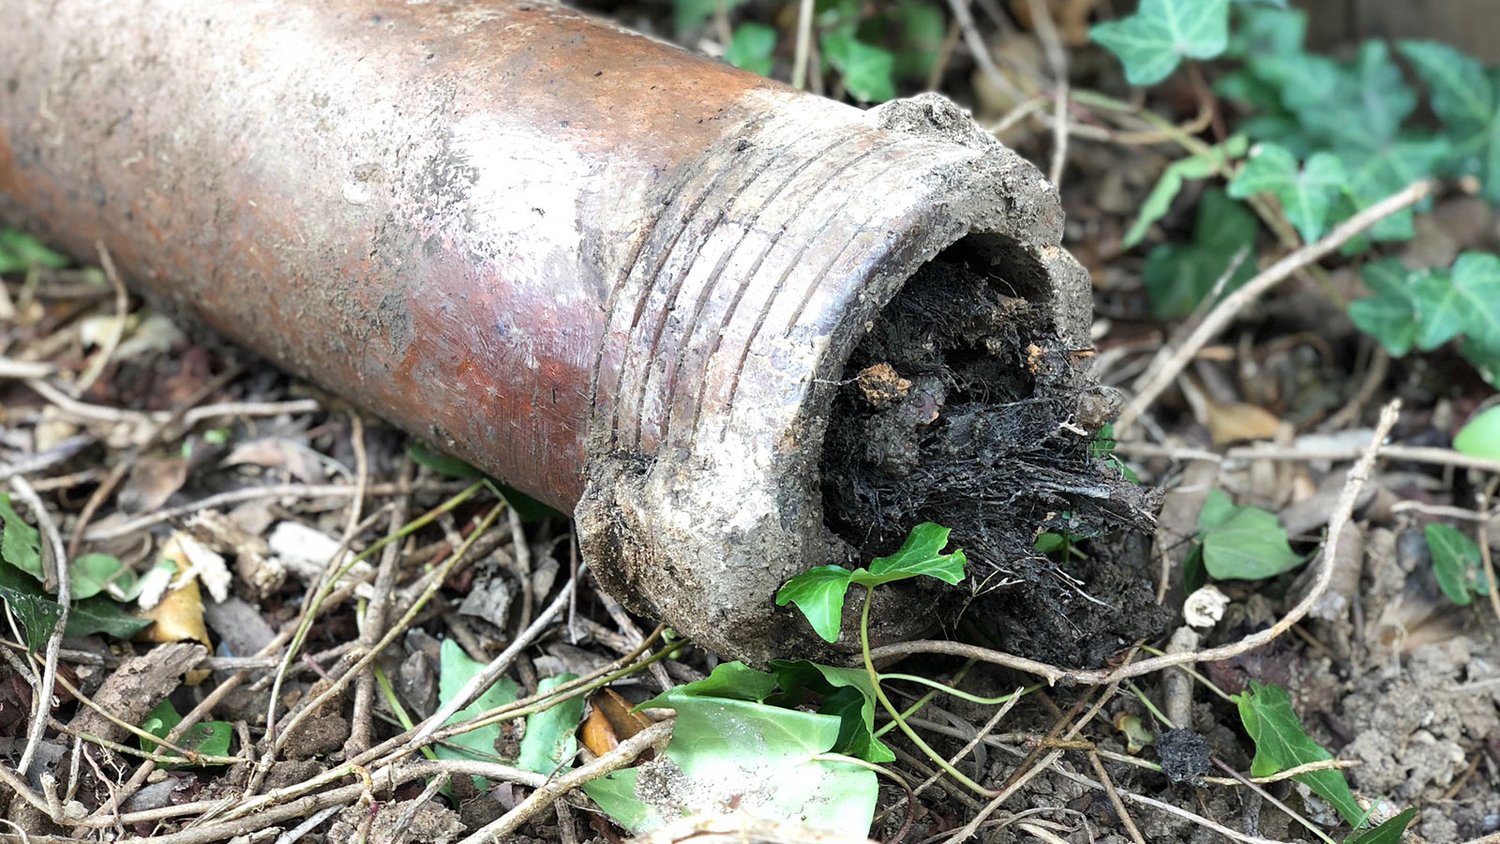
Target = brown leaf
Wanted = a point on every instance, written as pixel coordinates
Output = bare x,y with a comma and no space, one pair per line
611,721
1071,17
179,618
152,481
1234,421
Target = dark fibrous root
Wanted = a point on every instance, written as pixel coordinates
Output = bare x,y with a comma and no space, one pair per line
961,407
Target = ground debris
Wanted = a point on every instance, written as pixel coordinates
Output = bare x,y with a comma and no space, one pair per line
967,412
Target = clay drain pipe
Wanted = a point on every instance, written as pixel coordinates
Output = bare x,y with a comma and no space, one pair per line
618,276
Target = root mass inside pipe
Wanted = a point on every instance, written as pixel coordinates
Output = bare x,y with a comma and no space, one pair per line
961,407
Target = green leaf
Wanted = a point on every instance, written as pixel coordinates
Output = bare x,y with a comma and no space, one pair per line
20,543
1476,277
865,69
455,670
1159,201
20,251
846,693
1306,193
1389,316
922,27
687,14
1480,437
1456,563
37,613
762,759
1344,107
1178,276
1464,98
1281,743
441,463
91,574
1376,174
211,738
100,614
549,743
1267,32
733,681
1245,543
922,553
819,594
1218,508
752,48
1194,575
1154,40
1389,832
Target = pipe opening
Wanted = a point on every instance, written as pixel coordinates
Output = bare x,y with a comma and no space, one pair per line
962,406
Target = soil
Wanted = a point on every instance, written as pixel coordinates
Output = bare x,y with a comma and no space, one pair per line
960,407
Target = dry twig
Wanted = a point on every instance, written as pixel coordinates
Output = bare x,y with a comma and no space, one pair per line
1170,362
1323,575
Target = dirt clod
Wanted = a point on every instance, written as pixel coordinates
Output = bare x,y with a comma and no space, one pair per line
1183,755
964,409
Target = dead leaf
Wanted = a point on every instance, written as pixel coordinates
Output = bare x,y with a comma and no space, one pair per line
1071,17
611,721
298,461
1230,422
179,618
1137,736
152,481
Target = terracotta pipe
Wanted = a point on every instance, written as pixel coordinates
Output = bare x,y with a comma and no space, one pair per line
618,276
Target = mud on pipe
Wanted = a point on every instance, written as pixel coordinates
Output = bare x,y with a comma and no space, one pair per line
630,281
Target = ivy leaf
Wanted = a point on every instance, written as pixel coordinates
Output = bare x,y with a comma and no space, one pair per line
767,760
922,553
922,26
819,594
1306,193
845,692
549,742
1242,543
1389,316
1159,202
91,574
210,738
20,543
1464,300
1456,563
37,613
455,669
1267,32
443,464
1281,743
752,47
1464,98
1480,437
1179,276
1154,40
20,251
1375,175
1389,832
733,681
1476,277
865,68
1356,106
687,14
99,614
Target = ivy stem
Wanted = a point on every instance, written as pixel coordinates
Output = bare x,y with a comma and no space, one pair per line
972,698
890,708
